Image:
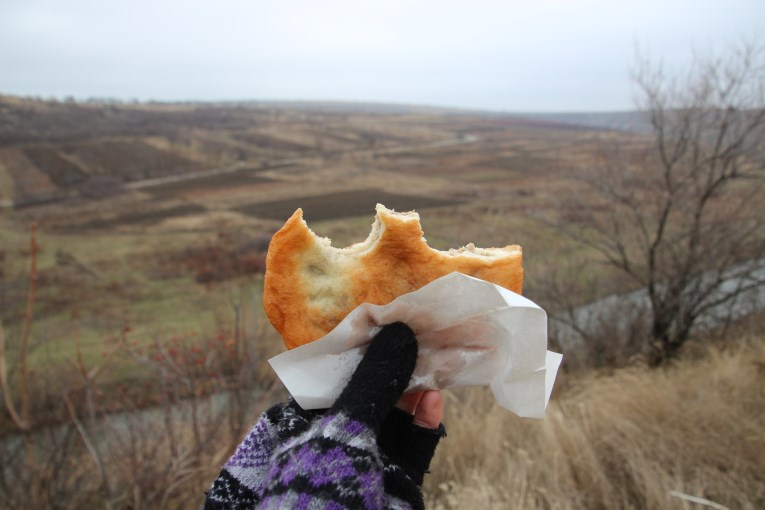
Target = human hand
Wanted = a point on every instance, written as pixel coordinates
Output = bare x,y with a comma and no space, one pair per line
408,426
364,452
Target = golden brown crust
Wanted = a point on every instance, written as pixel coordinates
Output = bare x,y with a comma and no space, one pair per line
310,286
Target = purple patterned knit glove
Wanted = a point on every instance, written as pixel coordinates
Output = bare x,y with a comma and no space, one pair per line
336,462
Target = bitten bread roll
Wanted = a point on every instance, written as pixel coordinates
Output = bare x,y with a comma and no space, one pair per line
310,286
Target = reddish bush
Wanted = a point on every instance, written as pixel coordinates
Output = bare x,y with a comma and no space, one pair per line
227,256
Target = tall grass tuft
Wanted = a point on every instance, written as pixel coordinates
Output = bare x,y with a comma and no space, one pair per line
635,438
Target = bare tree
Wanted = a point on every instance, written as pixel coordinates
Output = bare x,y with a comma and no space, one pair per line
682,216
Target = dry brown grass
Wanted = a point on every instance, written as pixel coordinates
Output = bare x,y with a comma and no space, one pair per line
624,440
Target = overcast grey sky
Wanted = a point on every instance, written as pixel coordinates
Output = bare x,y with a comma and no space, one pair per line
540,55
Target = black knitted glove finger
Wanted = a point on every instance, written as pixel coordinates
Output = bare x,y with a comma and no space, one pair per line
381,377
408,445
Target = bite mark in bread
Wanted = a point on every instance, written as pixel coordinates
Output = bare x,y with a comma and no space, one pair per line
310,286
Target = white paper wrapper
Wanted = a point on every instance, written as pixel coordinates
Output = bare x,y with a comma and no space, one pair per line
470,333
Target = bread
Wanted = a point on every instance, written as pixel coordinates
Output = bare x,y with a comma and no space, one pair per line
310,286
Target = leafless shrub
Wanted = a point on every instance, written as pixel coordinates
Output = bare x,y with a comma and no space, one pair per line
682,217
21,417
157,445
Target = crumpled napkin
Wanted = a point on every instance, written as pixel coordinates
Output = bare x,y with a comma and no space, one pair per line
470,333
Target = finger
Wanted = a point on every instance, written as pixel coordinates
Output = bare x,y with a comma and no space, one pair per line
381,376
408,402
430,410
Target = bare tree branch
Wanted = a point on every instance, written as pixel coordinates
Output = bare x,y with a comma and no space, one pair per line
17,419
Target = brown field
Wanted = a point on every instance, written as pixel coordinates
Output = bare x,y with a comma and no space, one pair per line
23,176
341,205
143,217
275,158
206,184
128,160
62,172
